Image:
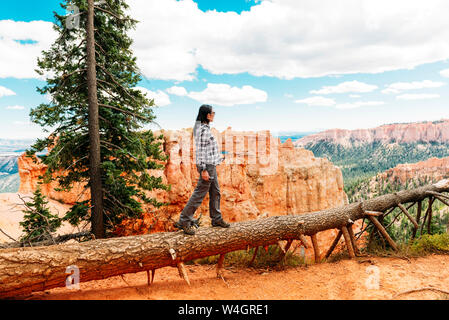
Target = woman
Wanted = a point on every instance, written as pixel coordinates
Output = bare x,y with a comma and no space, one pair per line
207,158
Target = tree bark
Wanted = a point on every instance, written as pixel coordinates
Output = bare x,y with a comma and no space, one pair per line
418,218
24,270
94,130
348,241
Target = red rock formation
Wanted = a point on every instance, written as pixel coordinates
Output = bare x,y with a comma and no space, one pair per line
29,173
404,132
261,177
434,168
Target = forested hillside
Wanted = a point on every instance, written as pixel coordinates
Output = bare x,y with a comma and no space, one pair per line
361,162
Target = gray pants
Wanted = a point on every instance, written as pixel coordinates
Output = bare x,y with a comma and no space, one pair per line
202,188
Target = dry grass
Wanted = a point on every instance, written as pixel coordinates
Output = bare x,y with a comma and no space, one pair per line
264,258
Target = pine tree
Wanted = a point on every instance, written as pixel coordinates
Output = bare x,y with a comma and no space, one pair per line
38,223
126,151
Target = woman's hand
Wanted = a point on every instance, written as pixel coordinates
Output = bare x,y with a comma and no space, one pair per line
205,175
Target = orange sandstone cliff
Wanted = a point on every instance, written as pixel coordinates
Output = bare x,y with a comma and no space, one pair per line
434,169
260,177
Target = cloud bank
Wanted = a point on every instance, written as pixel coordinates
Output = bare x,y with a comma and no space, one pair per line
415,85
289,38
223,94
345,87
278,38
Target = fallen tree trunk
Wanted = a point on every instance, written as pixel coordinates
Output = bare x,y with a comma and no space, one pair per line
25,270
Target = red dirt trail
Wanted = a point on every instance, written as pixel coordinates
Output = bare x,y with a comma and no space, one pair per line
341,280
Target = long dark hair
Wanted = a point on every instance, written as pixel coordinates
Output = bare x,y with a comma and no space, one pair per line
205,109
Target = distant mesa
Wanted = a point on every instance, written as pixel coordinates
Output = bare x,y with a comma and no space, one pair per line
428,131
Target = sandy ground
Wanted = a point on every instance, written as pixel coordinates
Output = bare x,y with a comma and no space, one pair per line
342,280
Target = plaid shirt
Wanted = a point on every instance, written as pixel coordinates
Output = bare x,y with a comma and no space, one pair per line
206,148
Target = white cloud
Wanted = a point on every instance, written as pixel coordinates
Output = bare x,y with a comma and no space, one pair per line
445,73
317,101
161,99
177,91
225,95
15,107
289,38
327,102
417,96
277,38
344,87
398,87
21,44
5,91
354,96
359,104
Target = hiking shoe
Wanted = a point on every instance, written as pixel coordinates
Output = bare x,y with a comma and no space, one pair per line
177,225
190,230
196,222
221,223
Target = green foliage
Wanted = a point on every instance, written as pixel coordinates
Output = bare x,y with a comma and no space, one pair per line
78,213
437,243
364,161
401,229
370,187
38,223
127,152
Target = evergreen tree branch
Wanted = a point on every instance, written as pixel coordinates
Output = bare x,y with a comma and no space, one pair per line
73,52
116,83
67,76
85,157
100,47
111,13
117,147
118,201
124,111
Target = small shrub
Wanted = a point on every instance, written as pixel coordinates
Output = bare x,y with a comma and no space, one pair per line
437,243
38,222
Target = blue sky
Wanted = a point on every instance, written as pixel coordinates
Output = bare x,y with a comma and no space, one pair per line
278,65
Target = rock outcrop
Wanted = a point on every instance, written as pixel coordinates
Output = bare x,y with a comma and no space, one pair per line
434,169
259,178
30,171
402,133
